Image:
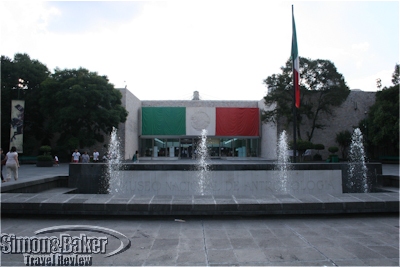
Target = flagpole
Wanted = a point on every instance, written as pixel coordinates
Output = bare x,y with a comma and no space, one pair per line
294,105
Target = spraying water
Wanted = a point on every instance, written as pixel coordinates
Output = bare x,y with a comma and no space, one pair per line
202,164
357,168
283,160
114,164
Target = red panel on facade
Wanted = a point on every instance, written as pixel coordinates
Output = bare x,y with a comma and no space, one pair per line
237,121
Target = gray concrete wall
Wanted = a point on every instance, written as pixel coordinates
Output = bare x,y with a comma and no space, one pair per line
345,117
129,131
269,137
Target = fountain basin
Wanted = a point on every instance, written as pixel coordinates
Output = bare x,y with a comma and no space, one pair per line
225,179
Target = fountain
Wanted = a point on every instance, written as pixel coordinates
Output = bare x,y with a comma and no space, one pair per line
357,172
177,188
283,160
249,178
112,178
202,164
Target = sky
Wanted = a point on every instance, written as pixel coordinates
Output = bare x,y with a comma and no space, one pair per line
224,49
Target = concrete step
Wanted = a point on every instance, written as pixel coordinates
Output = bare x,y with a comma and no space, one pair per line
103,204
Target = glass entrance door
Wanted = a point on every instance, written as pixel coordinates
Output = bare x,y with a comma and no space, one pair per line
186,149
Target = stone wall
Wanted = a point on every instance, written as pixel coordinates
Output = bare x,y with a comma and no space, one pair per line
269,137
222,179
128,132
346,117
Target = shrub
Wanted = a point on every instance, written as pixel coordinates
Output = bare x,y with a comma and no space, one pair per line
319,147
45,150
46,155
333,149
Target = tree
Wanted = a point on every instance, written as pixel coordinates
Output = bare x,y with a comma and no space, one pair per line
383,120
321,87
30,73
343,139
81,106
396,75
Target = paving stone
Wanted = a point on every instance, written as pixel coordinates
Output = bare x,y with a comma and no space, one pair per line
221,257
387,251
293,254
243,243
215,233
165,244
191,257
381,262
218,243
161,257
253,256
191,244
334,253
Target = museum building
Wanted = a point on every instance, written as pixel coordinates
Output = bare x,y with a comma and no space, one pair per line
172,129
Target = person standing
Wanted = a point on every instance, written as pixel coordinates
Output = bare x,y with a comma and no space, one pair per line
135,158
12,164
95,156
85,157
3,162
56,160
76,156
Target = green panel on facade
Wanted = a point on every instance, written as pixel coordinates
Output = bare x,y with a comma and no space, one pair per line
163,121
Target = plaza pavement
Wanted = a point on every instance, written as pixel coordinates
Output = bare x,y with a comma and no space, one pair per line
308,240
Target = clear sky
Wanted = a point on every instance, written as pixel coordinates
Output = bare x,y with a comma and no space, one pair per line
223,49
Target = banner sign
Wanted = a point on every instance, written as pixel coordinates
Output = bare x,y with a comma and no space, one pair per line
17,124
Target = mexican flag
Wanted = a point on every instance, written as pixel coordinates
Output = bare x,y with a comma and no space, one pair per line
295,60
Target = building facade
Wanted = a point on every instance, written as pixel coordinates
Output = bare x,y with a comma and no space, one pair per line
171,129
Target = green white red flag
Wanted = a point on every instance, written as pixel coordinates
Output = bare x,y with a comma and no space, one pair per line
295,60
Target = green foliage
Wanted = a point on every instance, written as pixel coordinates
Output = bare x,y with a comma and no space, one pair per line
383,120
79,105
33,73
322,88
396,75
46,155
301,145
343,139
333,149
319,147
82,106
45,150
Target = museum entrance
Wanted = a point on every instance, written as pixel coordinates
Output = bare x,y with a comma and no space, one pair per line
186,148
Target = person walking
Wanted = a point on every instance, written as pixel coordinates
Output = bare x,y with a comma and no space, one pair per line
76,156
56,160
12,164
3,162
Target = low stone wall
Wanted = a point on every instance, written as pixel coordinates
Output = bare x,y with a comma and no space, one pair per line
223,179
35,186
